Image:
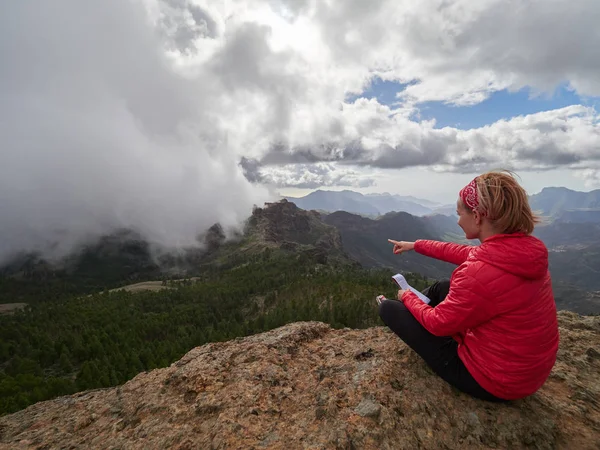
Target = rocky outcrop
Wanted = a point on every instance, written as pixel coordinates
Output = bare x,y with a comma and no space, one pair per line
285,226
283,221
308,386
214,237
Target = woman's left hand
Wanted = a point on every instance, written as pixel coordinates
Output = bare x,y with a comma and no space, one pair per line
400,292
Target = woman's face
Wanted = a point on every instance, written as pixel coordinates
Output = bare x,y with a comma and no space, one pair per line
467,220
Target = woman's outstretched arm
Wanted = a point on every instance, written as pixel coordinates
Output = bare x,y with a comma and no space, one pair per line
444,251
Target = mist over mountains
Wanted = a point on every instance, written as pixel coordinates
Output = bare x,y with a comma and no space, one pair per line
358,238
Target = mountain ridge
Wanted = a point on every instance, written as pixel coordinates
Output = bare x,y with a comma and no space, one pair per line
563,204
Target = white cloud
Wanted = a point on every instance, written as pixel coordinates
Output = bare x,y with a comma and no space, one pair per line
312,176
98,131
591,177
111,117
457,52
567,137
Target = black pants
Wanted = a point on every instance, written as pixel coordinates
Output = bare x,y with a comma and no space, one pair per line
440,353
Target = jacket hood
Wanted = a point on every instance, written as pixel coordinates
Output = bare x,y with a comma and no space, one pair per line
519,254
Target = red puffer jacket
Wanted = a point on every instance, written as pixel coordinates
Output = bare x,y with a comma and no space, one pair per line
500,309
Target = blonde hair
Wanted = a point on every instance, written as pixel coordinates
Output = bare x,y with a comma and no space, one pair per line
505,203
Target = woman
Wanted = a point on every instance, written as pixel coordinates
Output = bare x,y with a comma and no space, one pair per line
492,330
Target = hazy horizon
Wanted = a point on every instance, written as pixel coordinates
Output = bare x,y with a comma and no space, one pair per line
297,193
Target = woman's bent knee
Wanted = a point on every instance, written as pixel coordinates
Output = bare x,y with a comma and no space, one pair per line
392,310
385,308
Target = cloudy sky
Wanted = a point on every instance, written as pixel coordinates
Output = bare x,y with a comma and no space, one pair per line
169,115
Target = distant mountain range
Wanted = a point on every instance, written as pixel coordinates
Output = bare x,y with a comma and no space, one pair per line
565,205
554,203
372,205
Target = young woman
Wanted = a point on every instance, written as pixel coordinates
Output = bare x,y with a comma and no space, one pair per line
491,331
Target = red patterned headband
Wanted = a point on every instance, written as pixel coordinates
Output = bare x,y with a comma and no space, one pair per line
468,195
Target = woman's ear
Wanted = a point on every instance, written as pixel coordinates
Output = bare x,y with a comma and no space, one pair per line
478,218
